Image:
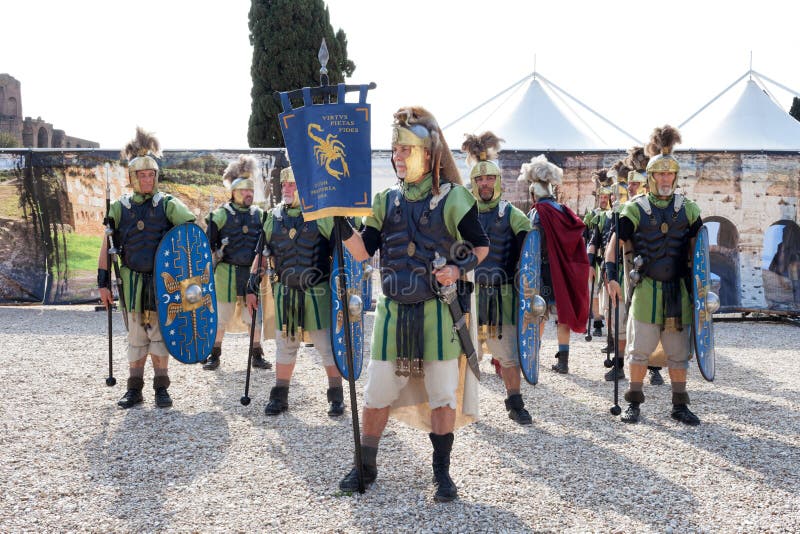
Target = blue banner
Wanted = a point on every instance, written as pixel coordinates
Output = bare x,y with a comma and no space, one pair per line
330,153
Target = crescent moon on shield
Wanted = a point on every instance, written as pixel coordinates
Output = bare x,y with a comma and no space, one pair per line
210,287
697,305
166,298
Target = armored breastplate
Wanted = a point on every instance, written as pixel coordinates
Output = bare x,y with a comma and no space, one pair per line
412,234
242,228
301,252
662,238
498,267
140,231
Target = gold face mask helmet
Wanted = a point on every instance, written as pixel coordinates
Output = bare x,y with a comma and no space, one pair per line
486,168
287,176
418,138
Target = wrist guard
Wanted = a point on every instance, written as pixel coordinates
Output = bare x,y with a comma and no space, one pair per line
592,259
466,264
611,271
346,230
103,278
253,282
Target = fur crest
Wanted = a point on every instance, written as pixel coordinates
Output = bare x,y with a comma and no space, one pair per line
663,140
144,144
481,147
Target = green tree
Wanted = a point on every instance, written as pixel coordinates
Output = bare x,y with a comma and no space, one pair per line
286,35
8,141
795,111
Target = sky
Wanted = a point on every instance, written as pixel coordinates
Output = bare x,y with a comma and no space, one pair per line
181,68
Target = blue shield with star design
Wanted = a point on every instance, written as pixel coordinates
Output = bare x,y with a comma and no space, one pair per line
185,294
529,284
702,319
352,306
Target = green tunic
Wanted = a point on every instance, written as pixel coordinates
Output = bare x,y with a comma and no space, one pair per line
440,342
225,273
177,213
317,298
647,304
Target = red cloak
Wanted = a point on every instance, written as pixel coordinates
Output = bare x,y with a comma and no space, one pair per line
569,264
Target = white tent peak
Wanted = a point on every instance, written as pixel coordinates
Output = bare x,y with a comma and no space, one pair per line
536,114
754,121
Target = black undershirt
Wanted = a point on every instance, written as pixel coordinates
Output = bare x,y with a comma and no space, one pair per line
469,227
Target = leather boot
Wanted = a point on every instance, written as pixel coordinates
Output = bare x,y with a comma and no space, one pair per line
598,328
619,368
212,362
369,470
516,410
160,384
133,396
631,414
445,488
335,401
680,410
655,376
563,363
278,400
258,359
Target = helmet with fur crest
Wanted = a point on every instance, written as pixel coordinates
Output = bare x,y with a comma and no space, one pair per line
141,153
542,175
481,150
239,175
662,141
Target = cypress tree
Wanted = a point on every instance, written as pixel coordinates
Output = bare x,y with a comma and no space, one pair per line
795,111
286,36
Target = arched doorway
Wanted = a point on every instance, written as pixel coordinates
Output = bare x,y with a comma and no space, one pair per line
780,265
42,139
724,249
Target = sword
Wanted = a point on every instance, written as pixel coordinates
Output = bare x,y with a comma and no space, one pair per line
218,253
448,295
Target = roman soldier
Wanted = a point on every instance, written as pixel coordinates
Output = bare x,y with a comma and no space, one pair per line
429,235
637,184
233,230
565,265
594,219
506,226
301,253
139,221
660,227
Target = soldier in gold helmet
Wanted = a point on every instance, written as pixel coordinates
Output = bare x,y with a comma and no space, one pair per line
594,220
429,216
506,226
637,184
660,227
233,231
140,221
301,253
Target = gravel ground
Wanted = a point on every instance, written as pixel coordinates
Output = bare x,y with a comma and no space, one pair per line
73,461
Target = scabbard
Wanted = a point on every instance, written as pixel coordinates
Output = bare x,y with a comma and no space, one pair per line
460,326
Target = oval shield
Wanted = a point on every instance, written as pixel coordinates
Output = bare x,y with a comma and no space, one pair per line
528,285
354,272
702,320
185,291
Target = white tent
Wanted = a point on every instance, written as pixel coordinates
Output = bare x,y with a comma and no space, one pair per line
754,121
536,114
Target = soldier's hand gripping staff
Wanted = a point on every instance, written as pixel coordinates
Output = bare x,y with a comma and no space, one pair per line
301,251
140,220
506,226
565,265
233,230
660,227
428,213
104,280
